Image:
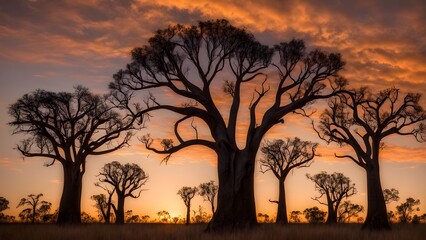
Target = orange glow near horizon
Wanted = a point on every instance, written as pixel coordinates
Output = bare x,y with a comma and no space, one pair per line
57,46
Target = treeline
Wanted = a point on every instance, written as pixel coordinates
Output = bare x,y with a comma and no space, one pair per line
38,211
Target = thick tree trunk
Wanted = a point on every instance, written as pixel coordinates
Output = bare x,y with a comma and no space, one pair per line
282,207
188,214
69,208
332,214
119,218
376,214
235,203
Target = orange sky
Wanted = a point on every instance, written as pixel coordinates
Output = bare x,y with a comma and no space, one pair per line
55,45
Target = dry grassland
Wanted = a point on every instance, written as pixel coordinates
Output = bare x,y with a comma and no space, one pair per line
169,232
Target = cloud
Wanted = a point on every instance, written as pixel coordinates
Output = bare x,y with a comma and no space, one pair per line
6,163
403,154
57,181
391,153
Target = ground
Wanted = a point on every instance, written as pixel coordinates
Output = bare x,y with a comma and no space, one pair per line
195,231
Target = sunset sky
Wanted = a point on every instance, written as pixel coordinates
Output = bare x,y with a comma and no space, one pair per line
57,44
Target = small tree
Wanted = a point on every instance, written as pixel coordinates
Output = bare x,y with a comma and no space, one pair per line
163,216
295,216
187,194
391,195
200,216
125,180
264,218
208,191
406,209
282,156
348,210
130,218
36,208
4,204
103,205
334,187
314,215
87,218
145,218
391,216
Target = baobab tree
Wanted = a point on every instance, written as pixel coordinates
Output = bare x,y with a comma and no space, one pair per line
208,191
125,180
36,207
191,62
281,157
362,120
335,187
187,194
67,128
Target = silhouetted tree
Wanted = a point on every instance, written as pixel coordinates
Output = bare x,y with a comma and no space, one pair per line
391,216
163,216
145,218
37,208
314,215
334,187
68,127
87,218
208,191
390,195
50,217
104,204
282,156
187,194
348,210
263,218
130,218
294,216
200,216
125,180
362,120
189,62
404,210
4,204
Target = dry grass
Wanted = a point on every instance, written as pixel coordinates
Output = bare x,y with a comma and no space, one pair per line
160,231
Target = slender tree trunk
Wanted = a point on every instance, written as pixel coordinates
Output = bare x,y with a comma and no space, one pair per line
34,213
332,214
212,202
119,218
235,203
376,214
108,213
282,207
188,213
70,205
